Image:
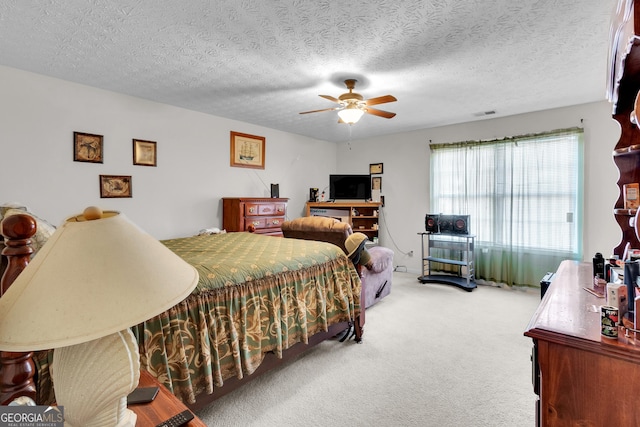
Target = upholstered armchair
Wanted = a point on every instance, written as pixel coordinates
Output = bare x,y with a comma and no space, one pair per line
376,282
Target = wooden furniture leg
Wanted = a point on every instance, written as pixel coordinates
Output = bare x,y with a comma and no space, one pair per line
359,321
16,369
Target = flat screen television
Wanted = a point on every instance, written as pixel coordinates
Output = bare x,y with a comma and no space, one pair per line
349,187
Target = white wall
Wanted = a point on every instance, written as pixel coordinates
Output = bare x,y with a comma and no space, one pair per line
405,182
38,116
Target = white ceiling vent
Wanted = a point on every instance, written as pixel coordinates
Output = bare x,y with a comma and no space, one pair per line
485,113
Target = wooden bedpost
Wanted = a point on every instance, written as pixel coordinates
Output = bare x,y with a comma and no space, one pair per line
16,369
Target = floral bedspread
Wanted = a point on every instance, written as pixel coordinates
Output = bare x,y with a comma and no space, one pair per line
256,294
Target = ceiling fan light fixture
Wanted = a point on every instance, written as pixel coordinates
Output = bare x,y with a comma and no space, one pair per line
352,105
350,114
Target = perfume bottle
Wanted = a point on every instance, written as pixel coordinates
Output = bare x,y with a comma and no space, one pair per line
598,266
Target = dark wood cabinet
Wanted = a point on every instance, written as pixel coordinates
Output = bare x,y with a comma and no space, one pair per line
622,91
254,214
581,379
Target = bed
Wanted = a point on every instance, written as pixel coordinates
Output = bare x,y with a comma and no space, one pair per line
260,301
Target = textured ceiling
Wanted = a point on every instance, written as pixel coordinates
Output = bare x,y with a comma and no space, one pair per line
264,61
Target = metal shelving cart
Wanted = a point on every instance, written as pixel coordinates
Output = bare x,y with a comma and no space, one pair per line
461,244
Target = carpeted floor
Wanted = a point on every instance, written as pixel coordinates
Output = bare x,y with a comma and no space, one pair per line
432,355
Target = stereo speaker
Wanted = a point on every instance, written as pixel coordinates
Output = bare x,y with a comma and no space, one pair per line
454,224
460,224
431,223
275,190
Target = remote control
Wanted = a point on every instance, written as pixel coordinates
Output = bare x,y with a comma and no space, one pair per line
177,420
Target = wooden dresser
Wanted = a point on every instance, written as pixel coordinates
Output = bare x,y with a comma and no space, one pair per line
581,380
259,215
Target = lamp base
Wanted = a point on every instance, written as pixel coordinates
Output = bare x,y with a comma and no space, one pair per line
92,380
129,419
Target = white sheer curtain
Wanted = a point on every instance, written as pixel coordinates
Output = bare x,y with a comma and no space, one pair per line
524,196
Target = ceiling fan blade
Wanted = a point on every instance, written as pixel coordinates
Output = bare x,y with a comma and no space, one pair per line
330,98
380,100
379,113
318,111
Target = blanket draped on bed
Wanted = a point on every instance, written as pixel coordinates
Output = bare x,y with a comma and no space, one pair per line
256,294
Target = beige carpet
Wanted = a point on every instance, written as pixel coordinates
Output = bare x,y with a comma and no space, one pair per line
433,355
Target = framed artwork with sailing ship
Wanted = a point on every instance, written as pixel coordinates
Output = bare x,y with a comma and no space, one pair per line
247,151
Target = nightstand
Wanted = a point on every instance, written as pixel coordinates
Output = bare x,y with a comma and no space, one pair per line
163,407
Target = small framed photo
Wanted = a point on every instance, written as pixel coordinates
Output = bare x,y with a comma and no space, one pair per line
87,147
144,153
247,151
376,183
112,186
375,168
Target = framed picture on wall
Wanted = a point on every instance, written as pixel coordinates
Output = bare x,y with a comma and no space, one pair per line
144,153
247,151
376,183
87,147
375,168
112,186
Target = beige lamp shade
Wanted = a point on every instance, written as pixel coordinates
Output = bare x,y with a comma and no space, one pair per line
91,279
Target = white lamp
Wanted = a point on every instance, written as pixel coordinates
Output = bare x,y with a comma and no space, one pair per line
96,276
350,114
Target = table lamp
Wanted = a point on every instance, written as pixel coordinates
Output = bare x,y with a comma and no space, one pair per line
98,275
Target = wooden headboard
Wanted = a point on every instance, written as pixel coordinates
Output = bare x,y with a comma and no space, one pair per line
17,370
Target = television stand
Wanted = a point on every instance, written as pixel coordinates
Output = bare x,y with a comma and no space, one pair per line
361,216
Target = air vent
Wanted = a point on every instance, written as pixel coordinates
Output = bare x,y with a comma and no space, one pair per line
485,113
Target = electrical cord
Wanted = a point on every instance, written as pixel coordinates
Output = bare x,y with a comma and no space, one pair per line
384,220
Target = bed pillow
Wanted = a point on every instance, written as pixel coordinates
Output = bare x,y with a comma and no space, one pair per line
44,230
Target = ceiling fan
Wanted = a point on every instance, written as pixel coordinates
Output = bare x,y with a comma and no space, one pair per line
353,105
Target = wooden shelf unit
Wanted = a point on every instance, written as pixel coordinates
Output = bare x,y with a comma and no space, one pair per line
622,90
362,216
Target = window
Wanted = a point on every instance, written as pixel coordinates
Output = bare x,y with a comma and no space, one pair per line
523,195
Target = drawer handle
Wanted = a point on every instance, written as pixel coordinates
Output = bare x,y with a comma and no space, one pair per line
256,223
252,210
275,222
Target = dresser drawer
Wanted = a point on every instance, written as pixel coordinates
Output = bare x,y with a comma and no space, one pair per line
264,222
274,222
251,209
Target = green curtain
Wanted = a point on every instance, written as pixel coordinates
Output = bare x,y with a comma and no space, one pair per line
524,197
